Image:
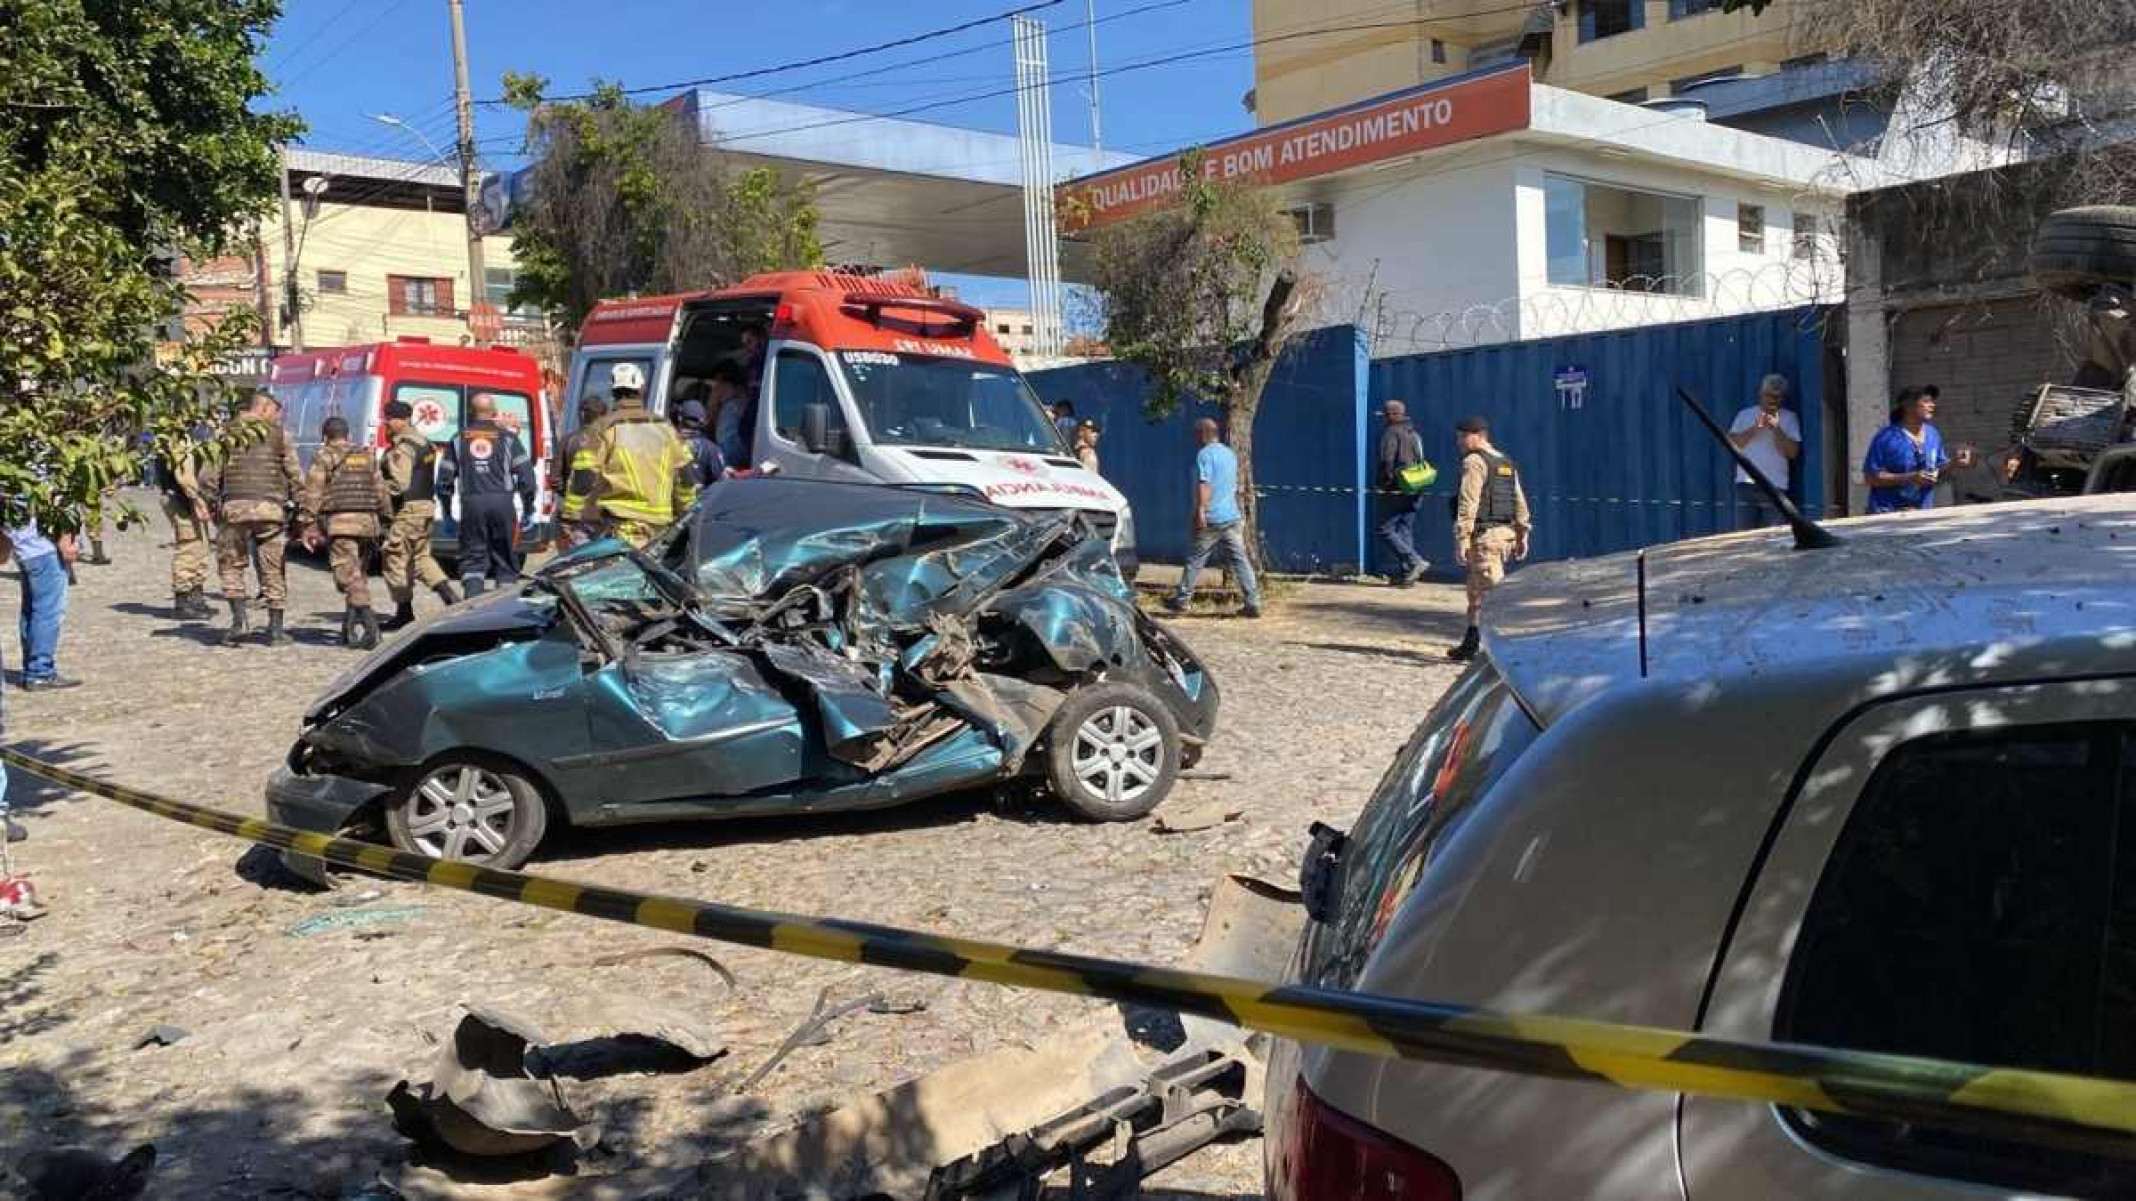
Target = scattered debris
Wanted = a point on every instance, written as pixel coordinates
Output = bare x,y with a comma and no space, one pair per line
74,1174
353,919
718,969
1185,819
483,1101
997,1125
18,899
814,1031
163,1036
634,1038
1205,775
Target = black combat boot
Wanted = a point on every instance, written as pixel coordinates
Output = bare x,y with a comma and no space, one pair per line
276,635
348,625
193,606
366,628
97,557
1467,650
447,593
239,625
403,615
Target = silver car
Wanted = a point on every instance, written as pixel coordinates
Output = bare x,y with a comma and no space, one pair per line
1880,795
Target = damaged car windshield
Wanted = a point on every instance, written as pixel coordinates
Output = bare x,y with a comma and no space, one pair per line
916,400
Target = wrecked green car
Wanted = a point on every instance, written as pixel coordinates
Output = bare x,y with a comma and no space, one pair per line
792,646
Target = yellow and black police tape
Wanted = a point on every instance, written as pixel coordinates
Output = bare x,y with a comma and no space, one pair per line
2040,1108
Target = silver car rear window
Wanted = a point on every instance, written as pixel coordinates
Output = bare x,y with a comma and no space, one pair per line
1475,732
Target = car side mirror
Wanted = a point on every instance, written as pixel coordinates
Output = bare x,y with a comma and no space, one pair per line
816,429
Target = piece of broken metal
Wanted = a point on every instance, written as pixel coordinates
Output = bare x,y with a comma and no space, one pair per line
812,1032
621,957
483,1100
162,1036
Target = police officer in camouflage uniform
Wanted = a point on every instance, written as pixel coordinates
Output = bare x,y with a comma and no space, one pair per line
251,492
487,465
345,504
1490,521
187,510
411,474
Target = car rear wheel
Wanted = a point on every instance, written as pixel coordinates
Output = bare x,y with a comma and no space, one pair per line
470,810
1113,753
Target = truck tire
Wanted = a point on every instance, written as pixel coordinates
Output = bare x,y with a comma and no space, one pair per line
1113,752
2076,250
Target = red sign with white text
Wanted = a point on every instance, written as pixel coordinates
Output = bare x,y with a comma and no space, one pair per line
1402,124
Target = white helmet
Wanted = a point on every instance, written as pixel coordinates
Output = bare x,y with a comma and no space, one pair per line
626,377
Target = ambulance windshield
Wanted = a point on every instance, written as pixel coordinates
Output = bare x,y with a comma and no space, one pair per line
919,400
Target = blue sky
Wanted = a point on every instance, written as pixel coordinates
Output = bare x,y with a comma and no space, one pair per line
338,61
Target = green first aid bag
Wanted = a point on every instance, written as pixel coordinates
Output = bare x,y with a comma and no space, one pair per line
1417,476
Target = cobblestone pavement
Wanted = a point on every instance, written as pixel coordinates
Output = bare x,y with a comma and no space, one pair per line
294,1037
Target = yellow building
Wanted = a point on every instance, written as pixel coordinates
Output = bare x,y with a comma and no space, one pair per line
1315,55
380,252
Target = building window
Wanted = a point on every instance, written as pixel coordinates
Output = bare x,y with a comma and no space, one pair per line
1001,327
333,283
1598,236
1688,83
1635,96
1438,51
1750,228
1976,907
1805,236
1608,18
1316,222
417,296
497,285
1679,9
1027,331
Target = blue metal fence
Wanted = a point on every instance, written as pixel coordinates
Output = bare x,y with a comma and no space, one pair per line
1309,450
1610,458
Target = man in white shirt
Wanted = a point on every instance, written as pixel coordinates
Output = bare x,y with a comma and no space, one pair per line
1770,437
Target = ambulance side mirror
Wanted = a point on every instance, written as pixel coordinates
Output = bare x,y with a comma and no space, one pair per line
816,429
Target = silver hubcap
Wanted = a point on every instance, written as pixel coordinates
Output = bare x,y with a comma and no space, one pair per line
461,813
1118,753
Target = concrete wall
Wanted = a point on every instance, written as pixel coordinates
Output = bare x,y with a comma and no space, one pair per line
1436,239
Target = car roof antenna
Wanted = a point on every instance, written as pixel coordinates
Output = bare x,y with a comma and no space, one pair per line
1808,534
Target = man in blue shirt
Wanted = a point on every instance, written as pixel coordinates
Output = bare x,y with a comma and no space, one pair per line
1906,456
1217,525
44,562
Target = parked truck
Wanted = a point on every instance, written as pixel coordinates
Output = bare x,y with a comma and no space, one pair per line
2080,437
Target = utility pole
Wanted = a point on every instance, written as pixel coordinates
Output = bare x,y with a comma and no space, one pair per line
470,183
289,256
1097,132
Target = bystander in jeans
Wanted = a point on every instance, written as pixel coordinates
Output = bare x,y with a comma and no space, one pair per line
44,562
1401,448
1219,525
1770,436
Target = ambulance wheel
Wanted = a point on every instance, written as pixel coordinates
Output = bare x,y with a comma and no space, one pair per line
1113,752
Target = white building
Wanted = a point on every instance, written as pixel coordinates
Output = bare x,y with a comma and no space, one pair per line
1487,208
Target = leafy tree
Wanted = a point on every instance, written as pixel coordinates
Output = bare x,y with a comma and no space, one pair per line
625,198
127,134
1203,295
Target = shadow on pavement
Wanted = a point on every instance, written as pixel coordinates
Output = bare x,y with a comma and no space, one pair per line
1396,653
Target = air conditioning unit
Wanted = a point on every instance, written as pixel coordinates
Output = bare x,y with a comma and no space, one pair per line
1316,222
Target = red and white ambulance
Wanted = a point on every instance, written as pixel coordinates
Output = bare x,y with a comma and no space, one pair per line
438,382
863,378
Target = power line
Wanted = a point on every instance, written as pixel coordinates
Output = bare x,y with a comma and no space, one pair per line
820,60
379,14
316,33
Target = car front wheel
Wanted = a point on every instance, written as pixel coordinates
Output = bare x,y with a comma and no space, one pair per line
469,810
1113,752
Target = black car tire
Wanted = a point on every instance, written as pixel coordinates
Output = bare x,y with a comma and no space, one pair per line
1097,738
2076,250
412,813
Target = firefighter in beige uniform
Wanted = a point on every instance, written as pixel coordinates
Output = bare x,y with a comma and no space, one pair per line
1490,521
345,506
412,480
251,491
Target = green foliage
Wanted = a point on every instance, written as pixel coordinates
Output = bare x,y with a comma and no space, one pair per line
624,199
127,135
1183,287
